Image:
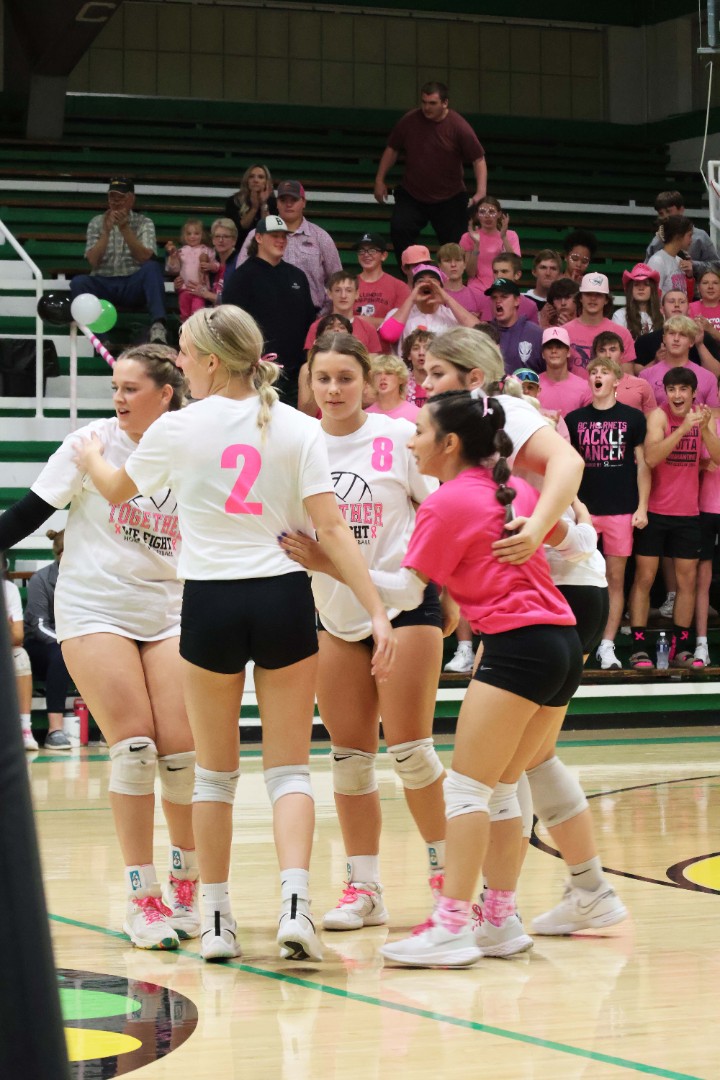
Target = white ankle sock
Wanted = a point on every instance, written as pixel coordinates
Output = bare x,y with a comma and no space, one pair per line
141,876
587,875
363,868
25,718
295,881
215,897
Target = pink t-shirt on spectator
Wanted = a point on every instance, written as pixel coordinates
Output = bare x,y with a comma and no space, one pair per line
361,328
710,485
404,411
582,337
451,545
637,393
676,480
707,393
564,396
383,295
491,244
698,310
470,299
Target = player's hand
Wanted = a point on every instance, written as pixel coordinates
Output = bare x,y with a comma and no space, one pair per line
518,548
304,550
86,451
385,644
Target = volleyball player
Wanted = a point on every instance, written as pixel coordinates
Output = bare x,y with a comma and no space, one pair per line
246,469
377,486
117,609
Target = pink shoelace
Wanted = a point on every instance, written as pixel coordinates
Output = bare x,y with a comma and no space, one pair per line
152,908
422,927
351,894
184,891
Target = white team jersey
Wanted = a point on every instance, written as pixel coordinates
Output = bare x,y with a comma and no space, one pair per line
375,479
13,602
118,573
522,420
577,561
238,488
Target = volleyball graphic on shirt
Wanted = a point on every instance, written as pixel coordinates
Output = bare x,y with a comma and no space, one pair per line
351,488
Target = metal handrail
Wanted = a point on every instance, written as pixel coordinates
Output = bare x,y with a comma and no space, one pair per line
6,235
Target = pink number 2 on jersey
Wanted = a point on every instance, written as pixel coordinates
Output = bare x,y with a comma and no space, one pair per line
249,473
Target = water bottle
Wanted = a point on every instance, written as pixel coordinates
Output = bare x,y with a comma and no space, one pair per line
663,652
80,710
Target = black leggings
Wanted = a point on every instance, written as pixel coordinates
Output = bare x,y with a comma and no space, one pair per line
48,665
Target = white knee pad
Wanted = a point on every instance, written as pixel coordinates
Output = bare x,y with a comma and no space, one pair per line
21,661
416,763
524,795
504,803
132,766
177,777
213,786
463,795
288,780
353,771
556,793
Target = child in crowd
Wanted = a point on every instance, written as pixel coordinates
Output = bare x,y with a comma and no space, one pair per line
193,261
378,292
452,261
579,248
414,349
707,308
389,377
428,305
672,261
631,390
509,265
641,314
679,336
559,389
545,269
342,292
562,305
488,234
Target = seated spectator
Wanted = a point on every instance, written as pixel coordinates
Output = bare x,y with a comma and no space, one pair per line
678,436
579,248
192,262
414,349
546,268
615,486
428,306
559,390
632,391
309,247
641,314
452,259
21,660
342,292
706,310
649,347
254,201
121,251
562,305
389,377
702,251
488,234
43,646
520,339
378,292
509,265
595,309
679,336
672,261
413,256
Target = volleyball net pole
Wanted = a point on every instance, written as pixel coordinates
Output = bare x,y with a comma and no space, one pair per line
32,1039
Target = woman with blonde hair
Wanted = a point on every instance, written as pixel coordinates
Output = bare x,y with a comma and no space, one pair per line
254,201
245,468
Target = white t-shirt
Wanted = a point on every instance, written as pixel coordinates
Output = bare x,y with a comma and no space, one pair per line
238,488
118,573
522,420
375,478
576,560
13,603
620,317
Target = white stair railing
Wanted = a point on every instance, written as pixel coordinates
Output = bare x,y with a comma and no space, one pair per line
14,277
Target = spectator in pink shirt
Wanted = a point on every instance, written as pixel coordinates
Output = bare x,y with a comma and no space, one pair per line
560,390
378,292
678,338
596,307
452,261
389,377
488,235
342,292
706,310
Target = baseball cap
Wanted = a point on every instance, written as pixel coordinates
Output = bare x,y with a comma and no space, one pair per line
595,283
371,239
503,284
291,187
428,268
640,272
526,374
556,333
122,184
416,253
271,223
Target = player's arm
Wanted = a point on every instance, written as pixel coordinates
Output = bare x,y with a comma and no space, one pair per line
113,484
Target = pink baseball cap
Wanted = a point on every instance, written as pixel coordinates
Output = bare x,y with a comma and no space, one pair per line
428,268
556,333
640,272
595,283
415,254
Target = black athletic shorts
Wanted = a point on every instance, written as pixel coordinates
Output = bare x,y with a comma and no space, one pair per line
709,533
269,620
541,663
666,534
427,613
590,605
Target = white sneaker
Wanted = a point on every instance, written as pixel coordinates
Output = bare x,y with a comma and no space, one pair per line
146,920
29,740
580,909
296,931
606,656
181,896
463,660
218,939
434,946
702,653
361,904
158,333
504,940
668,606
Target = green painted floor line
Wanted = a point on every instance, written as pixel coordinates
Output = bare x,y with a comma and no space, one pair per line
410,1010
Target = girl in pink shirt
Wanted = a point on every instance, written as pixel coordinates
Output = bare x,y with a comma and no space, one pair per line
532,658
707,308
192,262
487,236
389,378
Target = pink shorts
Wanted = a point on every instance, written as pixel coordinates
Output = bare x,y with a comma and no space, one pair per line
616,531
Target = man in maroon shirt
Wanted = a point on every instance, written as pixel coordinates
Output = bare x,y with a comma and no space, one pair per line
436,142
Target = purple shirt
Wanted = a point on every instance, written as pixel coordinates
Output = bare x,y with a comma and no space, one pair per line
313,251
521,345
707,393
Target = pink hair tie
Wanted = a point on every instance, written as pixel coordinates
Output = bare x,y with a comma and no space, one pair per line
480,395
270,358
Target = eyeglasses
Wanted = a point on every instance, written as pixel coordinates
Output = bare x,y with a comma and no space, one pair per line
584,259
370,251
482,212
